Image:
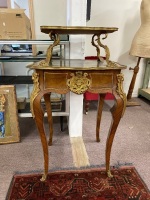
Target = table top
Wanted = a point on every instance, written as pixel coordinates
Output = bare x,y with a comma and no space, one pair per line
77,29
77,64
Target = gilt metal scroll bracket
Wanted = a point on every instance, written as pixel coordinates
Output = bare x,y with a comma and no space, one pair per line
56,38
96,41
120,91
35,91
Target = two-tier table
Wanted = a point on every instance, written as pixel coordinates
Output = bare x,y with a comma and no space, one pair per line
78,76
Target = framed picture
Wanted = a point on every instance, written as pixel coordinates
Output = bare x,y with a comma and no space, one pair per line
9,126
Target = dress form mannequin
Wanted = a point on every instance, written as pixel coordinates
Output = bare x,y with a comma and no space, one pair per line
141,43
140,46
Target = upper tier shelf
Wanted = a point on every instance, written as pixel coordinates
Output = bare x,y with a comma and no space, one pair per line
55,31
77,30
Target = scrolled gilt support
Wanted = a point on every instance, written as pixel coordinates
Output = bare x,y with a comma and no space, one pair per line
98,45
35,91
79,83
120,91
56,38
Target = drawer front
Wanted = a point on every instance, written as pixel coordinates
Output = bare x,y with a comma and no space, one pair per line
101,80
55,81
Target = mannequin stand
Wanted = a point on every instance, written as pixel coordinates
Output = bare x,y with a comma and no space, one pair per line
130,101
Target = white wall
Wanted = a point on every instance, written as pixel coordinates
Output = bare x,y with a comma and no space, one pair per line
76,16
22,4
126,16
49,13
117,13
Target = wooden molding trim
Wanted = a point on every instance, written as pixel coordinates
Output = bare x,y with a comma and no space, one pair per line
31,13
8,4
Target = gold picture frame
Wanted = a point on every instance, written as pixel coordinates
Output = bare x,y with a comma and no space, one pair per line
9,125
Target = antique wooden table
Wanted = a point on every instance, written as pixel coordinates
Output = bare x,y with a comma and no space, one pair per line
61,76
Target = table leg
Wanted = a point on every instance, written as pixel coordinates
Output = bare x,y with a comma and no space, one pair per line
61,123
99,115
49,115
39,117
116,111
87,103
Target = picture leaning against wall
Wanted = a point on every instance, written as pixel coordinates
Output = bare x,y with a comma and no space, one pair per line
9,126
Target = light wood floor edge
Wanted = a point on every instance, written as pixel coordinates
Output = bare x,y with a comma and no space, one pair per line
79,153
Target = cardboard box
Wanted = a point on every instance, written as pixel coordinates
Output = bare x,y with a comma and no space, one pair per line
14,24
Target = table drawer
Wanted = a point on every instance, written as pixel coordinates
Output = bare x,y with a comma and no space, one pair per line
99,80
55,80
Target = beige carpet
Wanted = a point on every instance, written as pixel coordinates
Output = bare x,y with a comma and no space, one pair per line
131,145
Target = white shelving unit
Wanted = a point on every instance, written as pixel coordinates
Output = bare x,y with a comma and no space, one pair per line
64,47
